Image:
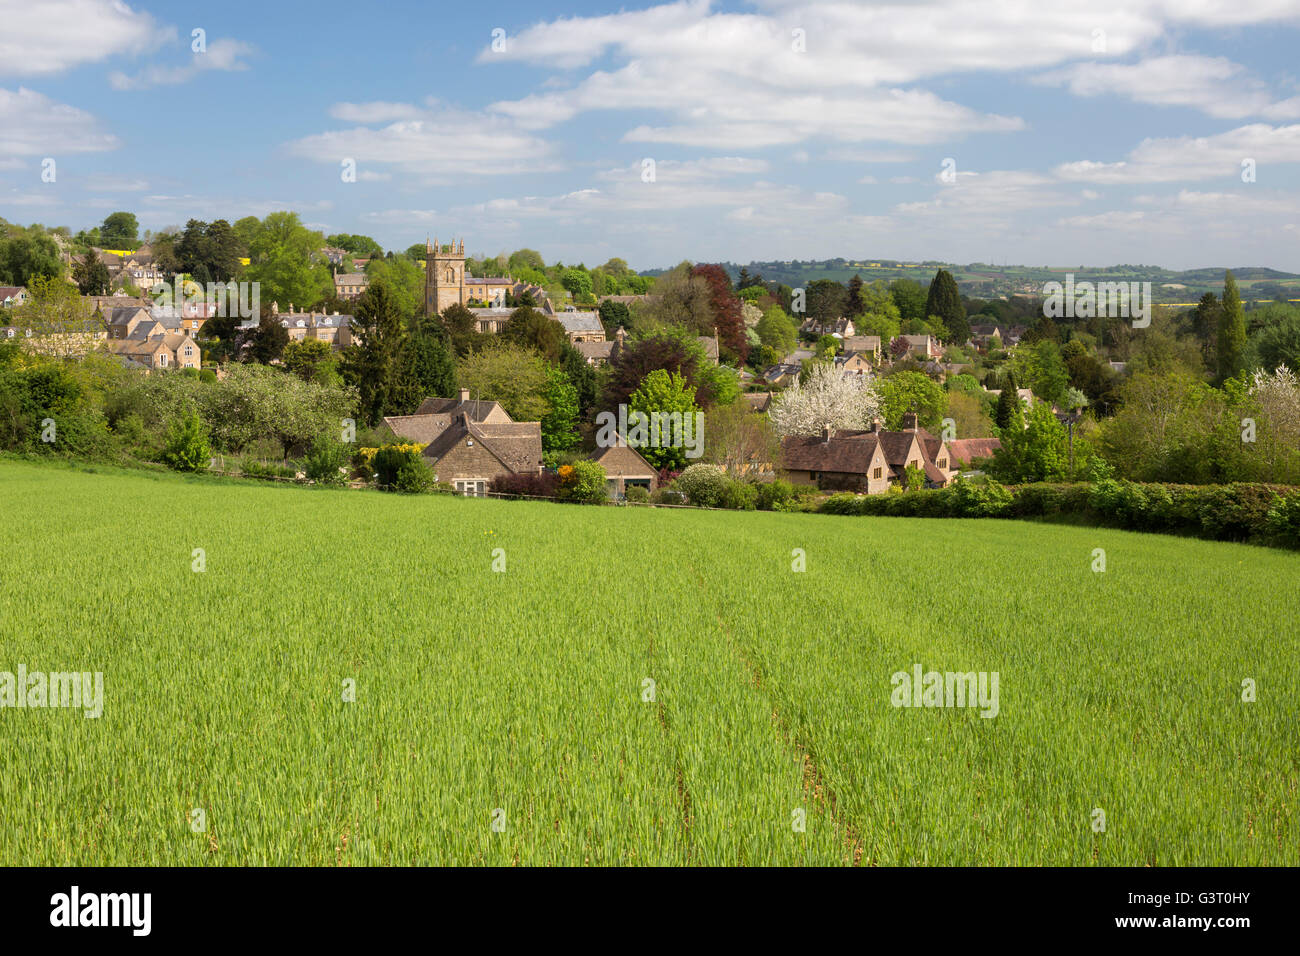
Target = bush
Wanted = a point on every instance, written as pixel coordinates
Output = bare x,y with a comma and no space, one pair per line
582,482
541,485
703,485
414,477
207,375
252,468
401,467
187,448
739,495
1284,518
666,495
324,462
637,494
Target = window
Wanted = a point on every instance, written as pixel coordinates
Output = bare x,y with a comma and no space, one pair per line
473,487
943,462
189,350
875,473
913,464
162,359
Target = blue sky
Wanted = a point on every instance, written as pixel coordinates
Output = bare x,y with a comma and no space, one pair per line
1079,132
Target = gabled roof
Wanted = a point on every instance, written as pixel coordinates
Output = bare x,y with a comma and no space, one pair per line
477,409
846,452
623,461
966,450
594,350
580,322
517,445
418,428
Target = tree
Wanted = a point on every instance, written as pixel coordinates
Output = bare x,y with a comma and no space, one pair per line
119,231
311,360
582,377
684,299
728,319
826,300
283,253
62,322
405,281
578,284
1277,344
24,258
426,369
945,301
738,439
915,392
91,275
1206,319
560,423
673,350
531,329
777,330
209,249
1232,331
268,342
829,399
854,306
187,448
665,394
910,299
462,330
516,377
1008,413
358,245
614,316
1038,452
371,362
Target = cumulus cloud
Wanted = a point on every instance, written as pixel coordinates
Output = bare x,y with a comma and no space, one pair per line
1216,86
39,39
1190,158
221,55
32,124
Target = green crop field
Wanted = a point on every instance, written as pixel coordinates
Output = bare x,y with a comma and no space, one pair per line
636,686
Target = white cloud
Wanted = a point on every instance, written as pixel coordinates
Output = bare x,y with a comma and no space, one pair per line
1188,158
1214,85
51,36
434,143
221,55
31,124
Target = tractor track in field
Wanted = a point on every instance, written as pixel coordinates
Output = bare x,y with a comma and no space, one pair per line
814,780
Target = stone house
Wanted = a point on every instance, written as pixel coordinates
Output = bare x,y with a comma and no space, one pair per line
625,468
469,454
867,461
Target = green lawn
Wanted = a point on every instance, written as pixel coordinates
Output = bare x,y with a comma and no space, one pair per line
522,691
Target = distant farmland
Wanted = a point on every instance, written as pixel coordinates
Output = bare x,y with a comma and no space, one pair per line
636,686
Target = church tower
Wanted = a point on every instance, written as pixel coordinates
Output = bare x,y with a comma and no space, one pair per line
444,276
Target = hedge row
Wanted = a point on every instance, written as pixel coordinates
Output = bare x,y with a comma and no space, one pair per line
1268,514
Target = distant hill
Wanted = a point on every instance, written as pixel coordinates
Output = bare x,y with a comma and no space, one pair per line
985,281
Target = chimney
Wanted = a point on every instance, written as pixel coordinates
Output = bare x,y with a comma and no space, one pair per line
875,426
826,434
464,395
909,422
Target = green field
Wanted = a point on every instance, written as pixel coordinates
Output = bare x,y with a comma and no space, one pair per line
522,691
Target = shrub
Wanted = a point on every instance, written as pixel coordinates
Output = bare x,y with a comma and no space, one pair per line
187,447
739,495
413,477
252,468
401,463
703,485
324,462
637,494
775,495
1284,518
582,482
541,485
667,495
207,375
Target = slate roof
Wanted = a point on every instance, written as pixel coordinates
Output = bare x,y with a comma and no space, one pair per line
478,408
594,350
581,323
